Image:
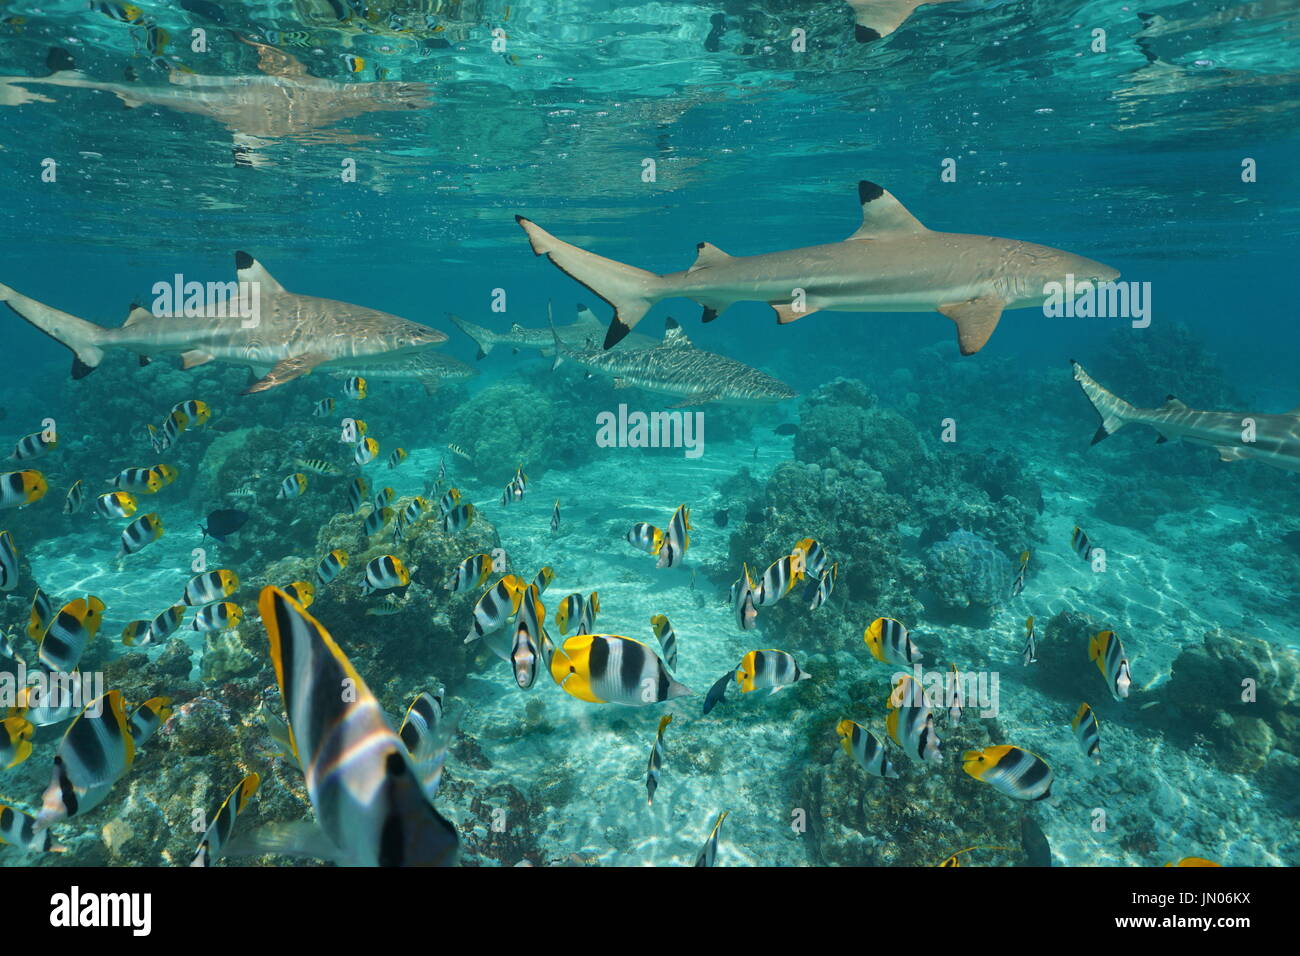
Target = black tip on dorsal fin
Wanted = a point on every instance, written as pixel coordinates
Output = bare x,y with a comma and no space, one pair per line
243,261
58,60
1101,433
80,369
865,34
868,192
708,315
1171,398
1161,439
670,323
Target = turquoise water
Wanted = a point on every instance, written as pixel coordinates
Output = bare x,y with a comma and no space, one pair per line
1131,157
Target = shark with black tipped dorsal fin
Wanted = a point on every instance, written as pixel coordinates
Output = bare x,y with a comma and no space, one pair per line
1276,438
585,328
892,263
293,334
676,367
282,99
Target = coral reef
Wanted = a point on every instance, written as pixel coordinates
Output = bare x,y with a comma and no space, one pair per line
965,571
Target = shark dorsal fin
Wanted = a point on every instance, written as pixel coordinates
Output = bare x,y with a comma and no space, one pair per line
708,255
275,62
675,336
587,317
883,215
1173,404
138,313
516,328
248,269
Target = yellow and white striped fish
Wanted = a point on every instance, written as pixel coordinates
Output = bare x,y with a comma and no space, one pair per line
366,792
1087,731
32,446
655,768
18,829
147,718
1106,650
330,566
21,488
116,504
494,607
742,601
9,569
645,537
1011,771
866,748
667,639
889,642
95,753
210,586
759,670
458,518
292,486
911,722
219,831
777,581
676,539
367,450
73,627
75,500
470,574
385,574
139,533
15,741
709,853
217,617
611,669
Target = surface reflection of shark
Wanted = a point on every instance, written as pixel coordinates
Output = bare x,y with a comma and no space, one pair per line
283,100
293,334
879,18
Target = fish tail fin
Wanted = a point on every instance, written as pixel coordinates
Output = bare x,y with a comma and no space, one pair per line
631,291
1114,411
83,338
483,338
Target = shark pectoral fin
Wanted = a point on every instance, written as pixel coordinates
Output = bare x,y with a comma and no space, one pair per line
786,312
248,269
194,358
976,319
430,385
1230,452
287,371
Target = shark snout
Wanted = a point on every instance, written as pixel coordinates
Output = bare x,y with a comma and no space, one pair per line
1096,271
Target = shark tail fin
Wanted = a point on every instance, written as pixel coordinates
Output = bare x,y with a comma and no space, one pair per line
631,291
482,337
1114,411
82,337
